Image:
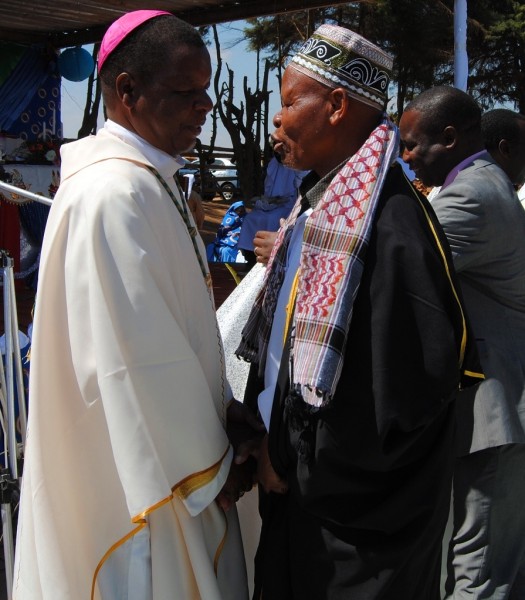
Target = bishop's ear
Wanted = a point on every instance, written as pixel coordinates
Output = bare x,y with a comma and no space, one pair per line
125,87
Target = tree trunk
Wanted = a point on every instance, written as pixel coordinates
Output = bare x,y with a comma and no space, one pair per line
92,106
243,122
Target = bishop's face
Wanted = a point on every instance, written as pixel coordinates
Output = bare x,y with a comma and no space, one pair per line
171,107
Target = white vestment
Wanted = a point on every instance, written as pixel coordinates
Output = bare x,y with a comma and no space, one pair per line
126,439
231,316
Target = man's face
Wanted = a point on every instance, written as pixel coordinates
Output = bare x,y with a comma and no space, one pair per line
171,108
299,125
425,153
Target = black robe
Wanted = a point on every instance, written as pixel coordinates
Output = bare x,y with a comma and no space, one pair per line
365,514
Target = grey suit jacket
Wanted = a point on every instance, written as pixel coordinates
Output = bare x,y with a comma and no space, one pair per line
485,226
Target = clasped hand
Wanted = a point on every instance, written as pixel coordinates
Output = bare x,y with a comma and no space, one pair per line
251,463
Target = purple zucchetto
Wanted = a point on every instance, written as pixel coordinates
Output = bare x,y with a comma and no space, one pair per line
338,57
121,28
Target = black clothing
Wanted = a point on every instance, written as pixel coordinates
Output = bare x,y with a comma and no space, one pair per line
366,512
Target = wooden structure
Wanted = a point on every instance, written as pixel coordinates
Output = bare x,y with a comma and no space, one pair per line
64,23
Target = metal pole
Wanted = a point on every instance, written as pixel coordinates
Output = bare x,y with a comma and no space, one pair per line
8,539
5,507
9,476
22,414
460,45
10,443
20,192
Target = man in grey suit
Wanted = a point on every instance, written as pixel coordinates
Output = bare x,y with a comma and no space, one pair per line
485,225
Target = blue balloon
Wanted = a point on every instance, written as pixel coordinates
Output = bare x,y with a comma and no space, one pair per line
76,64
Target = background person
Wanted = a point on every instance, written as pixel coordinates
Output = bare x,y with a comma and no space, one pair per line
280,181
359,403
193,198
485,226
224,246
281,187
263,245
128,465
503,133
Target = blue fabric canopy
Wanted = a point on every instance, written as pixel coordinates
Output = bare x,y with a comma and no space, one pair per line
21,84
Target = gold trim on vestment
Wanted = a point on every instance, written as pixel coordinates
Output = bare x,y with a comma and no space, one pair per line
141,522
183,490
220,547
187,486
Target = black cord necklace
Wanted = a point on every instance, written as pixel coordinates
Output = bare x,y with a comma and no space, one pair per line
183,211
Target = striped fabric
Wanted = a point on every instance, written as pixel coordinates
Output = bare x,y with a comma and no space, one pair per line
334,248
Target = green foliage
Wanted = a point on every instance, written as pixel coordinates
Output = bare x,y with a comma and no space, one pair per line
280,36
497,53
420,36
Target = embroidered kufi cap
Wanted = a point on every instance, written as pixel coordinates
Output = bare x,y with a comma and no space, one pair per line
121,28
339,57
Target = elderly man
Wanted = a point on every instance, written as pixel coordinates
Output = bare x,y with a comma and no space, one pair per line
359,401
485,226
127,451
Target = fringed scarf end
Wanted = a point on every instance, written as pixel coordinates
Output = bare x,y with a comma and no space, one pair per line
302,417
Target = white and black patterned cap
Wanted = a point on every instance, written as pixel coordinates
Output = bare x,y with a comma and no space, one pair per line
338,57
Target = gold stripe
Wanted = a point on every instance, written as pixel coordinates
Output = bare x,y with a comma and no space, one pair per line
443,256
236,278
141,522
187,486
290,305
474,374
220,547
110,551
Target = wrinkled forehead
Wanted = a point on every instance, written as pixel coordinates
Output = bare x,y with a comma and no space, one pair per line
297,82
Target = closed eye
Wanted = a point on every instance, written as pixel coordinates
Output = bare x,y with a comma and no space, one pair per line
190,93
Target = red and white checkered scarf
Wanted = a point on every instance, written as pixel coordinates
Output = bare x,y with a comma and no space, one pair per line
333,252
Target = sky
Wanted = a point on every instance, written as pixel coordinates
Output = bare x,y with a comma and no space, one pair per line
234,52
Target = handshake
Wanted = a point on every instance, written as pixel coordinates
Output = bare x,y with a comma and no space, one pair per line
251,463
